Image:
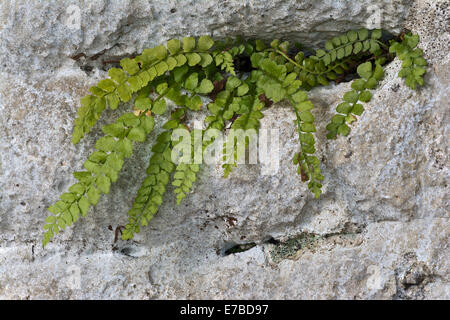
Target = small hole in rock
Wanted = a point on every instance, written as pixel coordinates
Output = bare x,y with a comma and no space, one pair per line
232,248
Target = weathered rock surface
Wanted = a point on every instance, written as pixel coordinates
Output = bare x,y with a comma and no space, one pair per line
380,230
40,35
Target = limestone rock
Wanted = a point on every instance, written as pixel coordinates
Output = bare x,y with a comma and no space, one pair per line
380,230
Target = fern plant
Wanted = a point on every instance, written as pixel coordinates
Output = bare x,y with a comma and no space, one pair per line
182,72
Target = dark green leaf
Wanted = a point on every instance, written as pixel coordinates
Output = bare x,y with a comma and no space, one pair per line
306,116
352,35
363,34
358,109
194,103
365,70
343,129
376,34
358,84
307,127
357,47
338,119
114,129
351,96
320,53
365,96
191,81
344,108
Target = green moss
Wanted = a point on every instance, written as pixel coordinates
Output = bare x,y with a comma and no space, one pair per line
289,248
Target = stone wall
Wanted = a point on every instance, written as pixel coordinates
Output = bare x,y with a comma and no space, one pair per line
380,230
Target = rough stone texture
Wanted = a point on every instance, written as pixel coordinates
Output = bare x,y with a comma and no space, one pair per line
43,34
380,230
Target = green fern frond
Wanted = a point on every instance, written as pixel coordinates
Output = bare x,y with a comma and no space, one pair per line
224,56
153,188
150,194
244,124
102,168
277,84
413,63
183,179
351,43
350,108
137,73
186,168
308,164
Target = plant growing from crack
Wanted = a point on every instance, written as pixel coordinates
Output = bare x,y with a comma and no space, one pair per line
241,78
